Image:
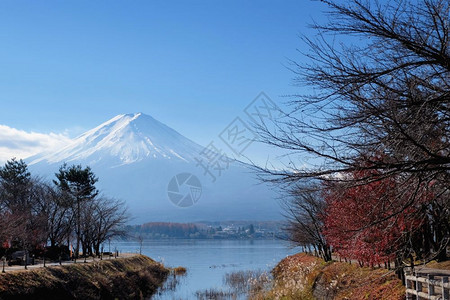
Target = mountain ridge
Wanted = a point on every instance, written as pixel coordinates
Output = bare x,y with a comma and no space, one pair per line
122,137
136,156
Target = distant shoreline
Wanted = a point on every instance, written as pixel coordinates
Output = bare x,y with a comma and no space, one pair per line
227,230
134,239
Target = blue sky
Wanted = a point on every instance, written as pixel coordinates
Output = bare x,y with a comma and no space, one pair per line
67,66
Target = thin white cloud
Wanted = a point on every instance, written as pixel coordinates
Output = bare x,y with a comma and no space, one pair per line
22,144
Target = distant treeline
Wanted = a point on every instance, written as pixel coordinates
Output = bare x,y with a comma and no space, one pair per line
161,229
204,230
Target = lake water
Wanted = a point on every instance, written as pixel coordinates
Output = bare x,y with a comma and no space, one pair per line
207,261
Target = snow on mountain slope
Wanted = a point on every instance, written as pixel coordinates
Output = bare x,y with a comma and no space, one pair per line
136,156
126,139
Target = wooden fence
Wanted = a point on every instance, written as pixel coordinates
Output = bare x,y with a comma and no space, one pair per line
427,284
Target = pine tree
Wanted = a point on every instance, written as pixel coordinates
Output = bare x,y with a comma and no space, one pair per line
15,183
78,184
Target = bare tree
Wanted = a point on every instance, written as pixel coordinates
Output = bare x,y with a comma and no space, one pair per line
304,211
110,217
34,213
101,219
24,225
56,209
381,103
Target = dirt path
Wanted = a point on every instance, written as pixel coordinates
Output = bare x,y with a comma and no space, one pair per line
69,262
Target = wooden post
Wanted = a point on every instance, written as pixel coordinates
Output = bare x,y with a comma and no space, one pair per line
430,285
408,286
445,291
418,284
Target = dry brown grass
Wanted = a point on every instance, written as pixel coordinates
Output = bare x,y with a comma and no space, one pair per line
353,282
179,271
123,278
306,277
445,265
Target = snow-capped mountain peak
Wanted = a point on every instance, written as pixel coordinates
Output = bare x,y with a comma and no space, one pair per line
136,157
126,139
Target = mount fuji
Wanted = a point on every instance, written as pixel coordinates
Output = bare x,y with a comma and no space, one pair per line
136,157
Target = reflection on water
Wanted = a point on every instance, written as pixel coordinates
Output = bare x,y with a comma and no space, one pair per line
215,294
170,285
248,282
224,268
239,285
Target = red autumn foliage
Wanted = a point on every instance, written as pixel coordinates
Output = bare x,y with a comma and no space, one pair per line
369,222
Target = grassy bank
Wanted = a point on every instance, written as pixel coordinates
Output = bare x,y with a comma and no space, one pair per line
302,276
135,277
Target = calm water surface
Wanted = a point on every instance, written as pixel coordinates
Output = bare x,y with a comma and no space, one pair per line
208,261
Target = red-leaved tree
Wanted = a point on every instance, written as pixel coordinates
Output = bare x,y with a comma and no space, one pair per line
369,222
